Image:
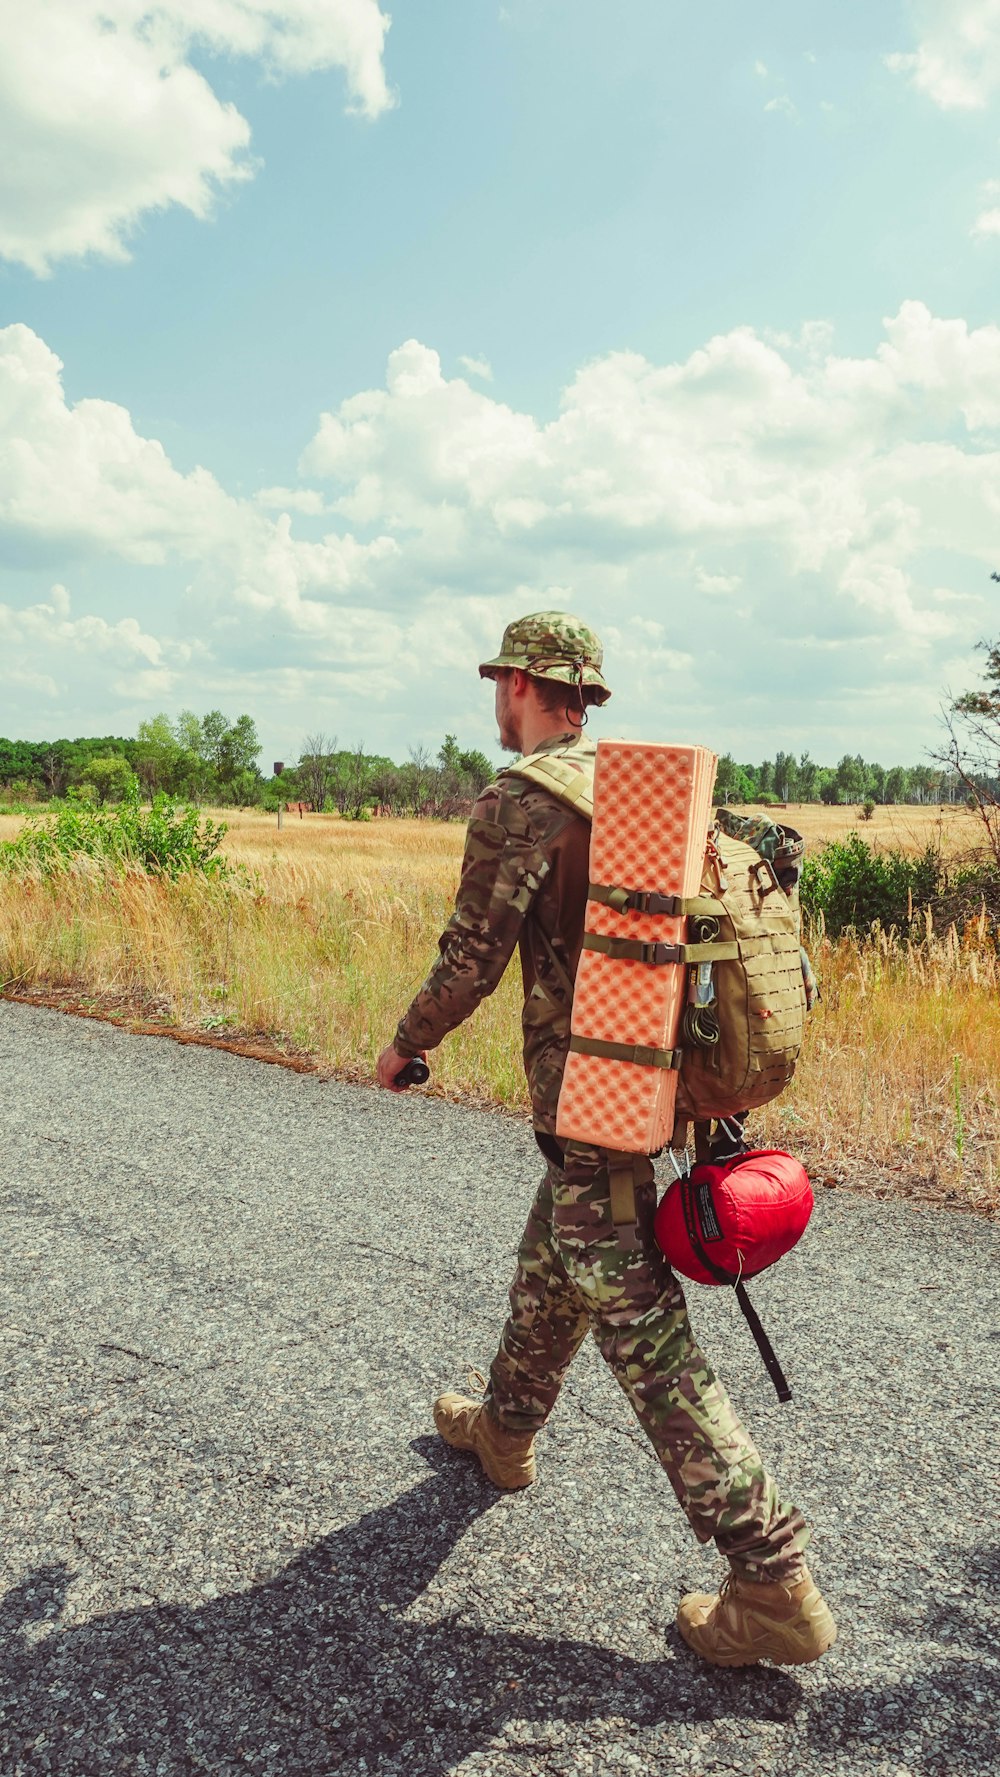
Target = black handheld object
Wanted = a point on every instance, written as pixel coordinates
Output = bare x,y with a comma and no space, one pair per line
413,1074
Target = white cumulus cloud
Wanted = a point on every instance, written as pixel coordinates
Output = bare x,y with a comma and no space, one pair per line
811,484
81,476
763,511
77,481
291,499
957,59
104,117
46,649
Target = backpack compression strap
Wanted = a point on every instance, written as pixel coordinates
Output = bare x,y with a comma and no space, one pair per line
626,900
658,955
640,1053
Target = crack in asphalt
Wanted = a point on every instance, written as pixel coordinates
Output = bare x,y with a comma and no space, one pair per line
142,1356
619,1431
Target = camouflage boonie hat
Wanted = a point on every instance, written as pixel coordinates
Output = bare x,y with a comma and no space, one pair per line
552,645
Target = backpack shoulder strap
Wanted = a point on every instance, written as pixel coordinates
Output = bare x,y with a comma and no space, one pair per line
567,773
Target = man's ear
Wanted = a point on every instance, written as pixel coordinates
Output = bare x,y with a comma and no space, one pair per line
519,682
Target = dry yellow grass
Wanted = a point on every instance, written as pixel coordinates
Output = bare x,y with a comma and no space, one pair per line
253,835
899,1077
325,945
953,829
320,949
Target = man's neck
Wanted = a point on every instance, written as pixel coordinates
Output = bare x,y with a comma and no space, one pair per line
536,736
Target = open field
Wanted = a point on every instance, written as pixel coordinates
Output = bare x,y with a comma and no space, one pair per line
254,836
953,829
320,950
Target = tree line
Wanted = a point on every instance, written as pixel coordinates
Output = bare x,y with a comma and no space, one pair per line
358,784
213,760
786,778
193,758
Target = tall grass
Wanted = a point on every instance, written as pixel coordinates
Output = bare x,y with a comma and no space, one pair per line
320,956
321,943
901,1069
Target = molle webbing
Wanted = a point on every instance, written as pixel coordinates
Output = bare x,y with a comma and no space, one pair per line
658,955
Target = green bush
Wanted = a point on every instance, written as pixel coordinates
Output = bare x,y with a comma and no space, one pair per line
853,886
161,840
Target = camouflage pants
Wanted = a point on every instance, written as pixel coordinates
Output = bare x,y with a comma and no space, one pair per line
575,1272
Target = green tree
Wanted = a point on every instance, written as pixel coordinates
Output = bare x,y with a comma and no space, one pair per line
56,767
807,773
476,770
213,731
238,750
450,755
111,778
245,789
187,731
853,885
193,770
897,784
157,754
786,776
850,778
732,783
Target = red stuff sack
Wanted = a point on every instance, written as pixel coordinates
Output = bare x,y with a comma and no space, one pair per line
726,1222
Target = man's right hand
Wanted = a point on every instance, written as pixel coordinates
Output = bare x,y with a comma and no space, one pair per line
390,1064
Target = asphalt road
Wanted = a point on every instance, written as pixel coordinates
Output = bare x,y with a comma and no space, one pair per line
232,1543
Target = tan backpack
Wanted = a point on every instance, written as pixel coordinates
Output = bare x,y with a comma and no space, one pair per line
743,1024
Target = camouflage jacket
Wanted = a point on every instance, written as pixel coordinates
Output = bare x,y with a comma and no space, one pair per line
524,883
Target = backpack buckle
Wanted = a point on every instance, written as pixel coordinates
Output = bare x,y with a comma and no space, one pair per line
646,901
625,900
660,954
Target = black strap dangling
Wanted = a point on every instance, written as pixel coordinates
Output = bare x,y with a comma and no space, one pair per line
748,1310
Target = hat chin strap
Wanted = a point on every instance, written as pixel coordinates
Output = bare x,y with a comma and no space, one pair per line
584,712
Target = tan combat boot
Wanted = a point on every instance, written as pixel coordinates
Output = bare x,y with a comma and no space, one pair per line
507,1457
750,1620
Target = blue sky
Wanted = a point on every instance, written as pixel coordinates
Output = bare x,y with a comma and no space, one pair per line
687,321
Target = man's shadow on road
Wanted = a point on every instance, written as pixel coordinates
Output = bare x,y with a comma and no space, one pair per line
321,1665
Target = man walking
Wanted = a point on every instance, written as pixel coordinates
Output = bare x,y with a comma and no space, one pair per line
524,884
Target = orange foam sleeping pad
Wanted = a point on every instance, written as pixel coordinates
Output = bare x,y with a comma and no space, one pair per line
652,813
